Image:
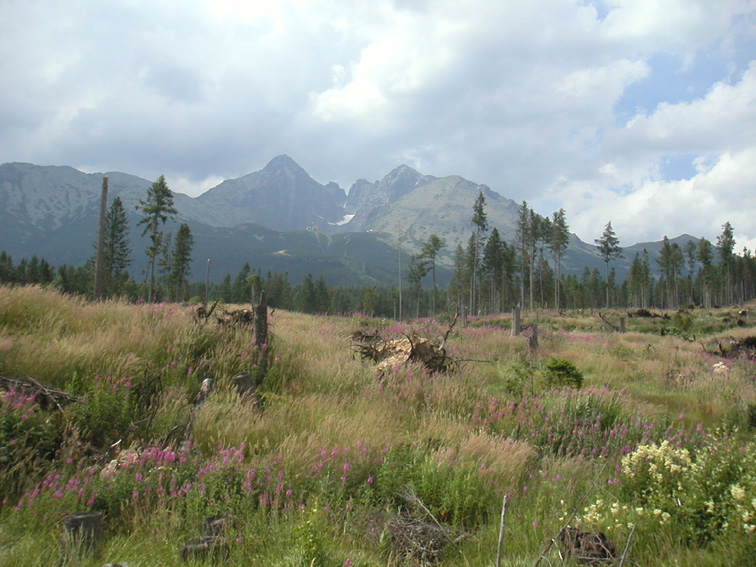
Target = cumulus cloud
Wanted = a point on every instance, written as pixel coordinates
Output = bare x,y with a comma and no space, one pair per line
537,100
718,129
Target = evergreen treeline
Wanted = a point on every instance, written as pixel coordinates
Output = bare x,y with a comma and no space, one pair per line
490,275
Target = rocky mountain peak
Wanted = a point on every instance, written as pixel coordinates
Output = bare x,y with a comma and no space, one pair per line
400,181
284,163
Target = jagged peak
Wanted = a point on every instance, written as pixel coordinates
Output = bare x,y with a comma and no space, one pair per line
403,170
282,161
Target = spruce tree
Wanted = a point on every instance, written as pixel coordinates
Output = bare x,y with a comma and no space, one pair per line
725,247
157,208
609,249
492,267
117,252
480,222
430,252
559,238
181,259
522,239
705,257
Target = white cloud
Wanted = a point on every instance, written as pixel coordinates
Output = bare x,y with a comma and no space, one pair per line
698,206
520,96
724,119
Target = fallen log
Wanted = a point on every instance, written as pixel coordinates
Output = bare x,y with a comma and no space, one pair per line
46,396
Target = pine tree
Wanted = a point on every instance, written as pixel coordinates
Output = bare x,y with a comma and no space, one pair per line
639,280
7,269
609,249
492,269
430,252
164,265
725,247
307,296
181,259
416,270
240,289
322,296
559,238
670,261
116,253
690,255
705,257
459,285
157,208
224,290
522,239
480,222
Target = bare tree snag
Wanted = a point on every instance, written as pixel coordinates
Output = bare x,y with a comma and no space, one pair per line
261,336
101,239
516,329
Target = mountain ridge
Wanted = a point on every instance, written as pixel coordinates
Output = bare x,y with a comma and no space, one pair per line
52,211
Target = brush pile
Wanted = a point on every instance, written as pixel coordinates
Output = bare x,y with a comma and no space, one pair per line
46,396
223,316
390,353
414,538
738,348
587,548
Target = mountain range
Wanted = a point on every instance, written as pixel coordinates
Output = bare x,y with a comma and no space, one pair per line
278,219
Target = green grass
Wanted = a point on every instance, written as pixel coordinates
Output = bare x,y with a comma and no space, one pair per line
314,475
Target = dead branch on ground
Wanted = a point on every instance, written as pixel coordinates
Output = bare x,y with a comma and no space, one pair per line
387,354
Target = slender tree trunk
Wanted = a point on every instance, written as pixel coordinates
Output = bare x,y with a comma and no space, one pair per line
435,291
101,239
607,285
152,280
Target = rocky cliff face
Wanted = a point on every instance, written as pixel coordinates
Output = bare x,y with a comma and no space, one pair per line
281,196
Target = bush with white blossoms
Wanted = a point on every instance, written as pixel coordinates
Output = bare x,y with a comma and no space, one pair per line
721,369
665,488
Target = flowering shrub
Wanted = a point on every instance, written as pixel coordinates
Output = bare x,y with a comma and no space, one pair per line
699,496
586,422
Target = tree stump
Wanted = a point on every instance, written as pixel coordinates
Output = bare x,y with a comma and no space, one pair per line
246,387
206,548
205,390
81,535
516,322
216,525
533,339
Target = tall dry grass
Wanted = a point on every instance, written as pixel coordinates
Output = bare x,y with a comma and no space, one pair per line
347,440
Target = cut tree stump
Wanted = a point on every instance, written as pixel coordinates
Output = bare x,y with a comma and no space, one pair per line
206,548
81,535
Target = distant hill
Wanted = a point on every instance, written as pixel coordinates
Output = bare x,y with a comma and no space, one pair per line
277,219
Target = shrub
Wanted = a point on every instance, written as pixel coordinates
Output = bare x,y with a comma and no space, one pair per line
561,373
698,497
454,492
27,436
105,414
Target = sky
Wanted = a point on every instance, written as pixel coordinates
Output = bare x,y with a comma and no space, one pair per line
641,113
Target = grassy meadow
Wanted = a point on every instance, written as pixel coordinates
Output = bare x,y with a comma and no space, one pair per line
655,448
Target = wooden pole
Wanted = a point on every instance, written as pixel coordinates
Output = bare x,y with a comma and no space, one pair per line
516,322
260,322
502,525
101,239
207,281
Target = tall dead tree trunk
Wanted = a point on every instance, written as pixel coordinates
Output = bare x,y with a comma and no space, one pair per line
260,312
101,239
